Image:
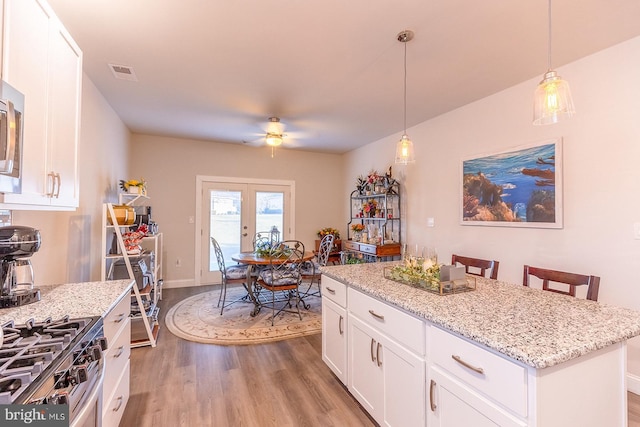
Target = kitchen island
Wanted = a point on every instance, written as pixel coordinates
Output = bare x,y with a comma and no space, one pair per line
502,354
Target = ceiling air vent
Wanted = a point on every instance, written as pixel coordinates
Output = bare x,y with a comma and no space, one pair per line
123,72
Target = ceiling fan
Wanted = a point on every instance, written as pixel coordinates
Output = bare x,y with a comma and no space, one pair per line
273,134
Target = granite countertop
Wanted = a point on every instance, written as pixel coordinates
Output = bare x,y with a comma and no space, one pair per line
538,328
73,299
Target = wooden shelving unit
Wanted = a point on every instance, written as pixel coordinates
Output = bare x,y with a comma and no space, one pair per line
144,301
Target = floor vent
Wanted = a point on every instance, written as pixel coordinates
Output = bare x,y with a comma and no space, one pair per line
123,72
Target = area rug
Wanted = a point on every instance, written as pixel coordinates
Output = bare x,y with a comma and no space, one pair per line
198,319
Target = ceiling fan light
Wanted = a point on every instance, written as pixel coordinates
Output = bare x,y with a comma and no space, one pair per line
552,100
404,151
273,139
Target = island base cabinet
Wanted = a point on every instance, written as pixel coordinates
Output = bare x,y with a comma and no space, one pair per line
334,338
453,404
385,378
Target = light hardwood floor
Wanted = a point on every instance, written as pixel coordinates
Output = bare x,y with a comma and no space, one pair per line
181,383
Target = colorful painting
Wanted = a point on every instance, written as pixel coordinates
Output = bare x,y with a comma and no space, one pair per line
517,188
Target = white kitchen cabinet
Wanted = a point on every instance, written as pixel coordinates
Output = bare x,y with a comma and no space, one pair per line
41,60
115,390
334,326
386,377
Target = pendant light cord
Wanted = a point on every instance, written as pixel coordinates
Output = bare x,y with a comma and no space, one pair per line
405,84
549,50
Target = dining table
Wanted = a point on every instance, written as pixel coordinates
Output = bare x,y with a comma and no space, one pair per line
255,262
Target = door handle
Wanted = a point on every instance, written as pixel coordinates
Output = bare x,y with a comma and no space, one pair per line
376,315
57,177
373,358
244,234
378,355
432,402
340,325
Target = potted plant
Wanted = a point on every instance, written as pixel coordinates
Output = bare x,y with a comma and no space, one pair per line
134,186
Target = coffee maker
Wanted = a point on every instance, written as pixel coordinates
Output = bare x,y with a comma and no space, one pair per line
16,273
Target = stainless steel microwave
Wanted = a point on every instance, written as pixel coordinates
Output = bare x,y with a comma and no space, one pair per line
11,128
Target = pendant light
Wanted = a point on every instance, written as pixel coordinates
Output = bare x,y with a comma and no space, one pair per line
404,148
552,98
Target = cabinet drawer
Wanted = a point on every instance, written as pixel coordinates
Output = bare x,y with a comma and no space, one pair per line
368,249
116,358
114,320
113,409
334,290
403,327
350,245
498,378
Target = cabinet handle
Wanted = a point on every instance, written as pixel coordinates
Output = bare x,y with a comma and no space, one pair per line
57,177
120,400
378,355
373,358
331,291
119,353
432,402
467,365
120,318
51,180
340,325
376,315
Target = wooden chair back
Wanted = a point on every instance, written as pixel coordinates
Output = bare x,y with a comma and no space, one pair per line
572,280
483,265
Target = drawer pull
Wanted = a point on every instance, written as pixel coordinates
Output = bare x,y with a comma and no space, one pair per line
378,355
467,365
432,402
340,325
119,353
120,318
120,400
331,291
373,358
376,315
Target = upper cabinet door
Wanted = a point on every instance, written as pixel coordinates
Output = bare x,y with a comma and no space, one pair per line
41,60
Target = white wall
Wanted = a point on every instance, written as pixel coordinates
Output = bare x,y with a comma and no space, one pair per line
170,166
71,241
601,178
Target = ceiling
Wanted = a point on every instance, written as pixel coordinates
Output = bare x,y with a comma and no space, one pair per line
332,70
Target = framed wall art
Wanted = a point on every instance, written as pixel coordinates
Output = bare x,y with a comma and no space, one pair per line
519,187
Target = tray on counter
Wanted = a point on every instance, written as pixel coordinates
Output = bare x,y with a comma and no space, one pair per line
448,287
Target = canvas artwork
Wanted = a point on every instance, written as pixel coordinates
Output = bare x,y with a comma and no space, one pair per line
521,187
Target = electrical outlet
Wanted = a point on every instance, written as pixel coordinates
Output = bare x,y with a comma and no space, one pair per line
431,222
178,262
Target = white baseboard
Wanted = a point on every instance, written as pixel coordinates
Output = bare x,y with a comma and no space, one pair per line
633,383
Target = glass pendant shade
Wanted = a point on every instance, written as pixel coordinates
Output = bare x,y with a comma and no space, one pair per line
274,140
404,151
552,100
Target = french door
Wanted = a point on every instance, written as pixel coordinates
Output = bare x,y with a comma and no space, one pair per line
233,211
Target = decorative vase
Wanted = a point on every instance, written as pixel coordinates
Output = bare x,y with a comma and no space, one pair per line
357,236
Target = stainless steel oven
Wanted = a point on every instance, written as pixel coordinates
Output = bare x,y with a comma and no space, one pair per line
11,127
55,362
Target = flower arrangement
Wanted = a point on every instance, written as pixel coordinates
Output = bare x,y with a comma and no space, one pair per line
357,228
374,177
418,271
139,184
370,207
329,230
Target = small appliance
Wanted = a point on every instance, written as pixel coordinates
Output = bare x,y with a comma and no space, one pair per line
11,129
16,273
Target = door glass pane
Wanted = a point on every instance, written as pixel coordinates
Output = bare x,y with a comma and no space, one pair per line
225,224
269,211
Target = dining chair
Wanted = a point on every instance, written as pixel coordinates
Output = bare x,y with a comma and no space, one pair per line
282,276
231,274
311,269
572,280
483,265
